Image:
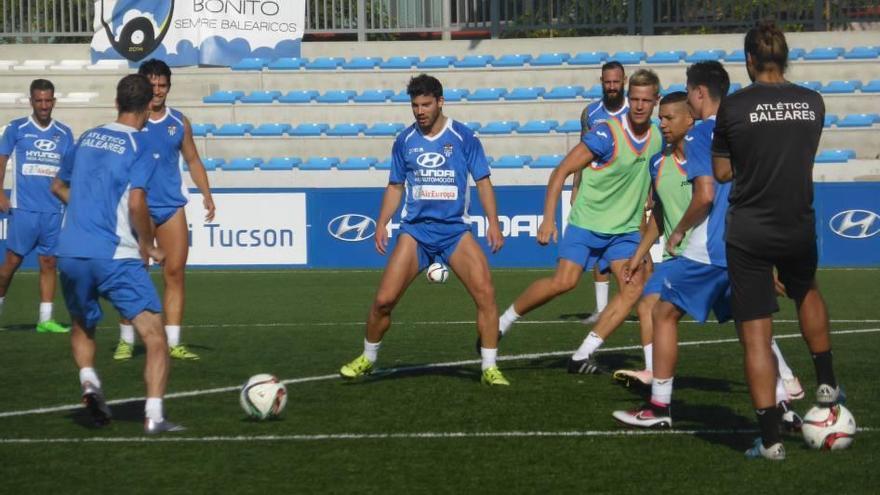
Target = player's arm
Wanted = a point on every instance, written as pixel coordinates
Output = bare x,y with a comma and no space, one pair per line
139,216
721,168
585,128
197,169
390,201
650,235
60,186
490,207
575,161
60,189
4,201
697,210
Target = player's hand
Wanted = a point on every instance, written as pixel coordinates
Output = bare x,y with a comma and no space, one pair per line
208,202
674,240
4,202
546,232
381,239
494,237
631,267
148,251
779,286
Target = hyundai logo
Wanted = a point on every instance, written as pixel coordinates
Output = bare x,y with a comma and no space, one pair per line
352,227
45,145
855,224
430,160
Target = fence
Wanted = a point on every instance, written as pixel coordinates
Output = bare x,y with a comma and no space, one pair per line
71,20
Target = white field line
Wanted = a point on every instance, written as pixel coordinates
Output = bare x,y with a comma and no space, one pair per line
391,436
388,371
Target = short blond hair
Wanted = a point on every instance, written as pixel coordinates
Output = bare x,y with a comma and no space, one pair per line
645,77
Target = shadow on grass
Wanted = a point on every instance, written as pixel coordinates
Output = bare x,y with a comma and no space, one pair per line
578,317
132,412
140,350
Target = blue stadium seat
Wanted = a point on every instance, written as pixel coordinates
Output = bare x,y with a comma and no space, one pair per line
362,63
261,96
734,87
835,156
525,94
673,88
270,130
233,129
209,163
549,59
319,163
324,63
335,96
281,163
564,93
628,57
547,161
437,62
473,61
249,64
373,96
346,129
298,96
308,129
594,93
287,63
399,63
357,163
737,56
873,86
572,125
241,164
223,97
830,120
384,129
474,126
814,85
538,127
700,55
453,94
400,97
499,127
796,53
824,53
666,57
383,165
512,161
588,58
862,53
517,60
487,94
202,129
858,120
840,87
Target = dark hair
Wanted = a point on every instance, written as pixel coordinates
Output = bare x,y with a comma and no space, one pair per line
424,85
155,67
42,85
674,97
709,73
612,64
766,44
133,93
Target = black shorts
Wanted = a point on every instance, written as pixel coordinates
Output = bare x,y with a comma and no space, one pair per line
753,294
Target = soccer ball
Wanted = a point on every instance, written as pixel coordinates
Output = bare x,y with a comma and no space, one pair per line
437,273
263,396
829,428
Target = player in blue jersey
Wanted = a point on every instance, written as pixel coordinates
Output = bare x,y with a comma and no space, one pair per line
432,161
36,144
106,241
167,197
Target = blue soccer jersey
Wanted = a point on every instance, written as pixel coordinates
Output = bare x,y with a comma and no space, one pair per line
106,163
36,153
596,113
435,172
706,244
167,189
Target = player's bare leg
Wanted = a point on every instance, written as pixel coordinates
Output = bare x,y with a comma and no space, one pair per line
761,375
173,238
644,376
45,323
156,368
813,318
544,290
10,265
602,285
82,344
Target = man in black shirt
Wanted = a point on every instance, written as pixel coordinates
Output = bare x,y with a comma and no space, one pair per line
765,140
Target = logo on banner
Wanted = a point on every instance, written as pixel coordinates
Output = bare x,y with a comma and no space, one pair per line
352,227
430,160
137,37
855,224
45,145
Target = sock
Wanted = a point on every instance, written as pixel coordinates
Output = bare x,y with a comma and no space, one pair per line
153,409
648,351
371,350
824,370
45,312
769,419
588,347
784,371
2,300
488,356
781,394
126,333
601,295
661,391
507,320
173,334
89,375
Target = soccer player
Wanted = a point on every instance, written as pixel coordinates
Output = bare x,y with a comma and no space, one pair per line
37,144
432,161
167,197
106,241
603,226
612,104
765,142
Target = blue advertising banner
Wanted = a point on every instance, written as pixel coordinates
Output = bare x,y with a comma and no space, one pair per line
848,223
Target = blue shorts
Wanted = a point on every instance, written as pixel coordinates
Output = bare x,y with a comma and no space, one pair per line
661,271
33,229
697,288
587,248
161,214
125,283
435,239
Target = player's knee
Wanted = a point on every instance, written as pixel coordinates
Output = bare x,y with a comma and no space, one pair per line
645,308
383,305
48,263
484,295
173,273
563,283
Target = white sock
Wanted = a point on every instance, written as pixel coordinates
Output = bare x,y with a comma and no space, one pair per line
488,356
507,320
89,375
648,351
784,371
173,334
45,312
661,391
2,300
588,346
153,409
371,350
601,295
126,333
781,394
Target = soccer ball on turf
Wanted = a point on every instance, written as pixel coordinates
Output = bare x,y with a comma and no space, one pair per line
263,396
829,428
437,273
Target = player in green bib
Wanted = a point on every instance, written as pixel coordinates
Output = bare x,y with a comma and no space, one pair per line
603,227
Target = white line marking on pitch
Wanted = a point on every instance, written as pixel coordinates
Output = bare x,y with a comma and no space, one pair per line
389,371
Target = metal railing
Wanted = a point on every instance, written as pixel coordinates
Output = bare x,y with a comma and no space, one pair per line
71,20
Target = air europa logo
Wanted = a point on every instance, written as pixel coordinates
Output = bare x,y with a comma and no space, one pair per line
352,227
855,224
430,160
45,145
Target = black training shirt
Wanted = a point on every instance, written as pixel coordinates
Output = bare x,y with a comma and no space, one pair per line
770,132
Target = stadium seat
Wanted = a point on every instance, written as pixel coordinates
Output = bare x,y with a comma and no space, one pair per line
357,163
666,57
538,127
824,53
858,120
77,97
399,63
862,53
108,65
517,60
287,63
736,56
270,130
373,96
319,163
835,156
383,165
594,93
362,63
814,85
346,130
223,97
453,94
549,59
298,96
588,58
437,62
873,86
673,88
11,98
628,57
796,53
474,126
840,87
70,65
281,163
734,87
564,93
546,161
249,64
308,129
324,63
499,127
7,64
245,164
830,120
209,163
473,61
700,55
33,65
512,161
200,130
525,94
335,96
262,96
229,130
400,97
572,125
487,94
384,129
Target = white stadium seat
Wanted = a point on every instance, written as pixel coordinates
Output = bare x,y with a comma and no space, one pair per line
69,65
108,65
11,98
33,65
7,64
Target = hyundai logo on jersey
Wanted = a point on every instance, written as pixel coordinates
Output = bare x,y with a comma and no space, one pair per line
855,224
352,227
45,145
430,160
